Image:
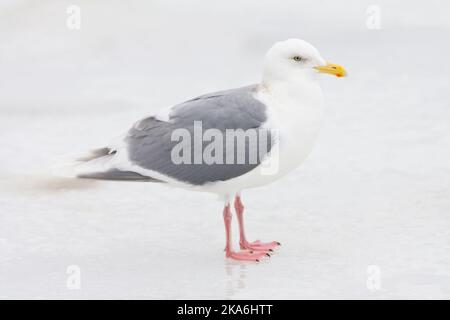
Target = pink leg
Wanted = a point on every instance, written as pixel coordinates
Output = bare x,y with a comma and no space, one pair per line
241,255
244,244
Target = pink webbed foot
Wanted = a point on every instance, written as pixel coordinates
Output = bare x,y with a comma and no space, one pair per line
259,246
247,255
243,243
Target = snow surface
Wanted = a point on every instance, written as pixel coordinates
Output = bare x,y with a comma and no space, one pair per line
375,191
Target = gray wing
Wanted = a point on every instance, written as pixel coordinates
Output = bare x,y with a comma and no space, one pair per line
150,142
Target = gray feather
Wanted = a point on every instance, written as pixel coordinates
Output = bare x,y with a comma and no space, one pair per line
117,175
149,141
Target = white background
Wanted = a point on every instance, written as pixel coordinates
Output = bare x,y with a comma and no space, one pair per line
375,190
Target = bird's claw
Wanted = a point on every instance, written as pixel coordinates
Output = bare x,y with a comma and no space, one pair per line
247,255
259,246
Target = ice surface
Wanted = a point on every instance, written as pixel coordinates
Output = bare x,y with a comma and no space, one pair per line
375,191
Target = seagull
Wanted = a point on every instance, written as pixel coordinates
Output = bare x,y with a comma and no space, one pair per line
227,141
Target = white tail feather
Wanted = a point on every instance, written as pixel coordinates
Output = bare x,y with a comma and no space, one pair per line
71,166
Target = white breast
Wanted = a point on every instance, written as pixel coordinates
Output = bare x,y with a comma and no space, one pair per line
298,116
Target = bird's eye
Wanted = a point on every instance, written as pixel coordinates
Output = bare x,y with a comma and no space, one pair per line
297,58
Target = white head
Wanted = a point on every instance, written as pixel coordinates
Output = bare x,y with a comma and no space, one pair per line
296,60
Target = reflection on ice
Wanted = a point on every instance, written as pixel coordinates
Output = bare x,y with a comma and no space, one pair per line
236,274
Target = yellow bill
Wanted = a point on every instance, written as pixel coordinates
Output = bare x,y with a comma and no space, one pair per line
333,69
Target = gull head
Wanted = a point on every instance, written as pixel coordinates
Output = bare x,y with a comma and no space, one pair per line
296,59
